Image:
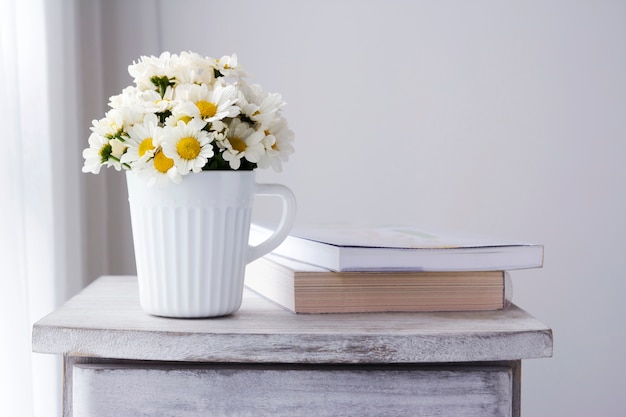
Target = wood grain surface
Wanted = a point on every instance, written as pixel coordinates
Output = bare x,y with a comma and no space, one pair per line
105,320
123,390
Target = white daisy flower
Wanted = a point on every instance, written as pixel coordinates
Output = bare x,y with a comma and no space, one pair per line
206,104
96,154
130,104
128,96
185,113
116,122
160,170
143,142
242,141
201,69
228,67
166,66
109,135
110,126
154,102
103,151
278,143
259,106
188,147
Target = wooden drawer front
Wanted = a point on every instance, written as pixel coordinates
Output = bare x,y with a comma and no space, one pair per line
109,390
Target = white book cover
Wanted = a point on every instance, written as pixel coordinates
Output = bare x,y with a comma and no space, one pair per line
351,247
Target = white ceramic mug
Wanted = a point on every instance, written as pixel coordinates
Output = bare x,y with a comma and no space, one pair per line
191,240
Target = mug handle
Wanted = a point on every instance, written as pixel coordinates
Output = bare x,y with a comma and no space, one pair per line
284,226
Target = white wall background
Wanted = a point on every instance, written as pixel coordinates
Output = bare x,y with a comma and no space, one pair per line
500,117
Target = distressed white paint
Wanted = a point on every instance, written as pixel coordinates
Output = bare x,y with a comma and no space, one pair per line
112,391
263,360
106,321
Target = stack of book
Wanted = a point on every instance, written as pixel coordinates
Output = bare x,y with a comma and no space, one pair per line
357,269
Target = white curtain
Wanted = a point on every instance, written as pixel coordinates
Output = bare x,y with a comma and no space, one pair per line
40,210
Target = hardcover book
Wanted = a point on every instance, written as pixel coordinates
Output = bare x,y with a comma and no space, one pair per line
375,248
303,288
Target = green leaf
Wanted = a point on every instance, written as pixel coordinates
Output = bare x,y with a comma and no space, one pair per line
105,153
161,83
163,115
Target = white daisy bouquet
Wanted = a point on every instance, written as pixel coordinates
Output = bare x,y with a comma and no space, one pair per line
187,113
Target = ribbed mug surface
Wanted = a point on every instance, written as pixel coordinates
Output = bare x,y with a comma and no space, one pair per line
191,242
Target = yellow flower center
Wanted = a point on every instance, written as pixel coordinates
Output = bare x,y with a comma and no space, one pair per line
237,143
185,119
207,109
188,148
162,163
145,146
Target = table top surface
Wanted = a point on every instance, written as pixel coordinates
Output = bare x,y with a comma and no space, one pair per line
105,320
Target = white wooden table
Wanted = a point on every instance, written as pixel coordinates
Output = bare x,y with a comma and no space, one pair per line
264,361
